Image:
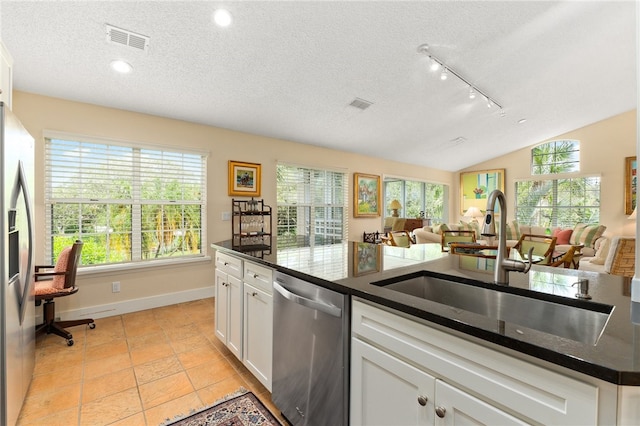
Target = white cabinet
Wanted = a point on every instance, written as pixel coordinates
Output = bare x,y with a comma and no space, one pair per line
387,391
393,357
6,76
244,313
392,392
454,407
258,319
228,300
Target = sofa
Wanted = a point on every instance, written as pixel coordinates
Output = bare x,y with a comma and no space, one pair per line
585,234
614,255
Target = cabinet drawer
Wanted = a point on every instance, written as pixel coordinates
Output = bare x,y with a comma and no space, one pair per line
516,386
229,264
259,276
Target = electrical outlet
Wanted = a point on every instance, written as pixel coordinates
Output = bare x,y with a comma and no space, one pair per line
115,287
226,215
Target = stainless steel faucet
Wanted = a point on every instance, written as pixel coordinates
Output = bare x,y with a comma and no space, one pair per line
503,263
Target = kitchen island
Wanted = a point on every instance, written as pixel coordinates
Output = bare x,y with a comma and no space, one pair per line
611,362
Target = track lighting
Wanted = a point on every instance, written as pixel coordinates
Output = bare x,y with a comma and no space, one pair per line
435,63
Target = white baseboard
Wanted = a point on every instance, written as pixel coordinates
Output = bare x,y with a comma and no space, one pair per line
128,306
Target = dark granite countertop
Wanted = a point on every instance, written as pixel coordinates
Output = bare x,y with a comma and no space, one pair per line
351,267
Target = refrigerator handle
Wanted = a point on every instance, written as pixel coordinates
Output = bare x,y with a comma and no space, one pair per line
309,303
21,185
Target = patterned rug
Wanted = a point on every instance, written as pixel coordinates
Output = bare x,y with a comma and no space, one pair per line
241,410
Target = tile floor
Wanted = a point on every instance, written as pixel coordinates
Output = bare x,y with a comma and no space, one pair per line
135,369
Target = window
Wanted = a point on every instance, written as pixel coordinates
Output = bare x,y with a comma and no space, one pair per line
126,203
418,199
562,156
312,205
558,202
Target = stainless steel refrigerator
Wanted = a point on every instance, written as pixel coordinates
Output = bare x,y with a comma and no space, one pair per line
17,307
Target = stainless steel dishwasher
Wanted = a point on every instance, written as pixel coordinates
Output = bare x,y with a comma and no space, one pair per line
310,352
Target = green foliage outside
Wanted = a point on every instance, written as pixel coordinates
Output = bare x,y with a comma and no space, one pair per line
557,202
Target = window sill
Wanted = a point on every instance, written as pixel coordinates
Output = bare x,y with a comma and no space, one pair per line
124,267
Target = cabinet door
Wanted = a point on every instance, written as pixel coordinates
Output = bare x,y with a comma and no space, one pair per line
222,306
455,407
387,391
234,340
258,332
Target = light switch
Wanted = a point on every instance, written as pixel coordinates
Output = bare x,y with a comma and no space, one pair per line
226,215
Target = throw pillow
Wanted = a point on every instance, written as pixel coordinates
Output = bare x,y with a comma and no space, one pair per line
586,234
601,252
437,229
563,236
513,231
470,226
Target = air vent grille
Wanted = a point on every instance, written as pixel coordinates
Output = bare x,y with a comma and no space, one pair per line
360,104
127,38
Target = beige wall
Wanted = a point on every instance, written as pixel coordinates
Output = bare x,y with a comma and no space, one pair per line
603,148
40,113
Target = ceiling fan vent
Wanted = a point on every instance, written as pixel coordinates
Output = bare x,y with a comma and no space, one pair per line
127,38
360,104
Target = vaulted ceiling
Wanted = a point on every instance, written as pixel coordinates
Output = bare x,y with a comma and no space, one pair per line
291,69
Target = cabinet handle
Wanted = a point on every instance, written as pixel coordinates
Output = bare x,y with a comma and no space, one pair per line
255,276
441,411
254,294
422,400
225,263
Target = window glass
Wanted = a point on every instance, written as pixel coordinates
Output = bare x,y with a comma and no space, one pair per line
418,199
126,203
311,206
558,202
562,156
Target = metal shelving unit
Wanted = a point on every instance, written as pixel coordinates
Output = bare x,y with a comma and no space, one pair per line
251,225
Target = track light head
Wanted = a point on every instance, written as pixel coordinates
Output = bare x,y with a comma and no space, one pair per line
434,65
444,75
472,93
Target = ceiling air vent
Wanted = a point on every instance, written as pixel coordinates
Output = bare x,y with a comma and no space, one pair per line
127,38
360,104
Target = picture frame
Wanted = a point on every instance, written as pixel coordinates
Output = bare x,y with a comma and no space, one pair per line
366,195
476,186
367,258
244,178
630,184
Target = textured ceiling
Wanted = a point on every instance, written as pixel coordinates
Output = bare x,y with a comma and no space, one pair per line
290,69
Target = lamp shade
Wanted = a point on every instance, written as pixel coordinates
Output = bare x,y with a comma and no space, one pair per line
473,212
395,205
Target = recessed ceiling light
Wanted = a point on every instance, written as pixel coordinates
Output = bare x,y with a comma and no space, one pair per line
222,18
121,66
522,120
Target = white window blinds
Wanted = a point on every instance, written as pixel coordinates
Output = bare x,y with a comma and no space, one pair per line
126,203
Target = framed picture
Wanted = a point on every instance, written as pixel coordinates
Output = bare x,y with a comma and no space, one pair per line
366,258
366,195
475,187
244,179
630,184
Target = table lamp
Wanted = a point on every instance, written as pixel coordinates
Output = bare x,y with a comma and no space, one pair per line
473,212
395,206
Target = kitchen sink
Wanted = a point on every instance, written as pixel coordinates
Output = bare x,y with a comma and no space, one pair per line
574,319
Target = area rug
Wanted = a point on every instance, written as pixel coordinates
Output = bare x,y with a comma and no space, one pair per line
241,410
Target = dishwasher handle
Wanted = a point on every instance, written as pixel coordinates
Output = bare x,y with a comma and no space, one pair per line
309,303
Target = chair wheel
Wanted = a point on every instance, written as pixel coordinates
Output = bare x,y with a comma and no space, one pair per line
70,342
92,325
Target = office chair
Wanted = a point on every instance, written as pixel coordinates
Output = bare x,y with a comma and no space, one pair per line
58,281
